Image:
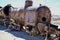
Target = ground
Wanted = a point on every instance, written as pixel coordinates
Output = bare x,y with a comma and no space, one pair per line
7,34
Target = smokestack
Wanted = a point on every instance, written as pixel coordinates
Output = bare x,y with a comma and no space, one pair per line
40,5
28,3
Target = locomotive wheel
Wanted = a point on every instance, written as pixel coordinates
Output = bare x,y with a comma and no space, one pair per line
32,30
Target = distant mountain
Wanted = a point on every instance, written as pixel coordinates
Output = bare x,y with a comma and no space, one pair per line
55,16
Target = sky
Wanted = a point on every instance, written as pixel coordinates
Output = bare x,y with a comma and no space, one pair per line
54,5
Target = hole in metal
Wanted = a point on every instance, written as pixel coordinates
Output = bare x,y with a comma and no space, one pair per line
43,19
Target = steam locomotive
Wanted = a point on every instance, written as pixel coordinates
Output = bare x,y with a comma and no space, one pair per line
32,20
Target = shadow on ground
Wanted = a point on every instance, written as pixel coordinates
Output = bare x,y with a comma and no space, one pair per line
21,34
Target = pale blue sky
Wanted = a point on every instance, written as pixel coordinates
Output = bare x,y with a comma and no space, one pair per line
54,5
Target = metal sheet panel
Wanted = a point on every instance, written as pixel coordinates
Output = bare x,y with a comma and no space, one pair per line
30,18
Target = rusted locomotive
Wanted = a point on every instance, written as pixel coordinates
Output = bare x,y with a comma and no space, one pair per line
30,17
33,20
